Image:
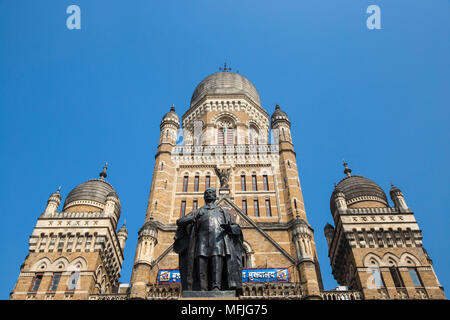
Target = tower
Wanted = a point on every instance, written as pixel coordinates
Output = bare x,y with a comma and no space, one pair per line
75,252
377,248
226,126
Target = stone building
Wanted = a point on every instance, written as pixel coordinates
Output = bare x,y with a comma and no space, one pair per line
375,248
227,129
75,252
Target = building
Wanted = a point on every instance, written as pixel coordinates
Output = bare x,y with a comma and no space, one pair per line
76,252
226,128
375,248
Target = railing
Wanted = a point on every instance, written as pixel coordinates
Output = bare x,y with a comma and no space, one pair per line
271,291
226,149
114,296
163,292
250,291
341,295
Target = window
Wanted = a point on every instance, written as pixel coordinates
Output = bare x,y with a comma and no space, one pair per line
55,281
243,184
220,136
266,183
72,284
162,166
208,182
229,134
256,205
196,183
195,205
376,274
396,277
253,135
156,206
415,277
268,210
183,208
254,182
244,206
36,282
185,183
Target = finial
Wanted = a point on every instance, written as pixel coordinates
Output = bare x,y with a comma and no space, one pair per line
392,185
59,189
277,107
124,223
103,174
347,170
225,69
335,185
172,108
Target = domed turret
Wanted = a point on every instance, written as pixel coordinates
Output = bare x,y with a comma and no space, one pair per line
53,202
279,116
358,191
398,198
225,83
93,195
171,117
122,234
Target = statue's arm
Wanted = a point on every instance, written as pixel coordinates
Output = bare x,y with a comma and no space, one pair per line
189,218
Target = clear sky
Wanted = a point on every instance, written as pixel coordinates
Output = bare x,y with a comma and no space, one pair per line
72,99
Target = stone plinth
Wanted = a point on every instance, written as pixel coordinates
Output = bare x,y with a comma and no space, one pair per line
209,295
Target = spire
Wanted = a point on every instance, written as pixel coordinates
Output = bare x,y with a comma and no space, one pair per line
225,68
59,189
103,174
172,108
347,171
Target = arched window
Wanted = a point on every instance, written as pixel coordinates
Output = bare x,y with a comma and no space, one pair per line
253,135
225,131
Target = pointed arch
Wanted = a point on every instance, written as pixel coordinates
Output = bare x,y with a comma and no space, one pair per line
409,260
390,260
81,261
372,260
60,264
41,265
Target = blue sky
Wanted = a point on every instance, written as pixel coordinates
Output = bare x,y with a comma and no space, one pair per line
72,99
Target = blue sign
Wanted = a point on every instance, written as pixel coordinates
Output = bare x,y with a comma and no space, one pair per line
265,275
248,275
169,276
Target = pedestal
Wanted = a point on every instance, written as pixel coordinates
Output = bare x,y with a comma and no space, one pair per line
209,295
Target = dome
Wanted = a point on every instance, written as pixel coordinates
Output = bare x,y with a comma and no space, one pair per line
223,83
279,115
93,190
91,193
358,189
171,116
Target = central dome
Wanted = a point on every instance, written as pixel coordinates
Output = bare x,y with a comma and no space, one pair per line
223,83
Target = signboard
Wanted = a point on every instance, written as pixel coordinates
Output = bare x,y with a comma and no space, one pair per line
265,275
169,276
248,275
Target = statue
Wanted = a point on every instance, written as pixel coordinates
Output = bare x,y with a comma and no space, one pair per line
223,176
209,244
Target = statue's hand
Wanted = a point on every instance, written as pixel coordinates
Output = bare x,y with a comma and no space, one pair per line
226,227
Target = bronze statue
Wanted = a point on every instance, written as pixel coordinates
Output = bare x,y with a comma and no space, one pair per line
209,244
224,176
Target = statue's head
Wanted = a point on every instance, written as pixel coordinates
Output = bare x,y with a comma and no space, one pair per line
210,195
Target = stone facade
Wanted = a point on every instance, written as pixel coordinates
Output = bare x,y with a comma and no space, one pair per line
74,253
375,250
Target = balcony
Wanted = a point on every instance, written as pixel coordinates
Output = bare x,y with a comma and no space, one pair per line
238,149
